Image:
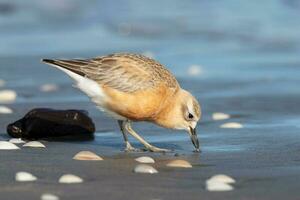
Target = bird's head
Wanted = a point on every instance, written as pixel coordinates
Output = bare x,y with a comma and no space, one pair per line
183,113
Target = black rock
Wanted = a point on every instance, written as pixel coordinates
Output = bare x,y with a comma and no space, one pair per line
50,123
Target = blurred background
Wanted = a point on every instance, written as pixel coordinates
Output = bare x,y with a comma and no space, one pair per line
225,49
215,34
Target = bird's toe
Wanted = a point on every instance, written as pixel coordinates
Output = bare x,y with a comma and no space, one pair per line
132,149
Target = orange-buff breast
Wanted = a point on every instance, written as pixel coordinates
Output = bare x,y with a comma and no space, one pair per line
142,105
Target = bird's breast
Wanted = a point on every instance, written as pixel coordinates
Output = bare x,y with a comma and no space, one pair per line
142,105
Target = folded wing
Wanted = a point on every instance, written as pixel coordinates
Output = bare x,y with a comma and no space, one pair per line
123,72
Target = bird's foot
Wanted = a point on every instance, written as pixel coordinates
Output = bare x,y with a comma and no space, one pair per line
130,148
157,150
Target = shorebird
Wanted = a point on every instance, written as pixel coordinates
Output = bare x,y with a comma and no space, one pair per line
132,87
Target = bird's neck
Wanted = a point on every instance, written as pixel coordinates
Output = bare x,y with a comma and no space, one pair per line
168,115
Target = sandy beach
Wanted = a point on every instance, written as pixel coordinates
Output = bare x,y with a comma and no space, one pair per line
262,158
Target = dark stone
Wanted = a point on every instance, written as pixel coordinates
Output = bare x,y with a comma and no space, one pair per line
50,123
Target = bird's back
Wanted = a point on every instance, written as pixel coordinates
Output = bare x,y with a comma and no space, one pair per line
152,71
132,72
124,72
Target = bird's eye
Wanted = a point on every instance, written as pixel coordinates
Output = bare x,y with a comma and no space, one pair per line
191,116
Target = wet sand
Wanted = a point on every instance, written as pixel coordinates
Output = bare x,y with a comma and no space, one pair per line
263,156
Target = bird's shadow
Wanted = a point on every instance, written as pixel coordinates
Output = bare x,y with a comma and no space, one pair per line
119,144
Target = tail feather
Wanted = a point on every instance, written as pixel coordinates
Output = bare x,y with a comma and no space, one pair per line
69,65
48,61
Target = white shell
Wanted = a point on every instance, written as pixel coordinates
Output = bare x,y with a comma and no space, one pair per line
5,110
48,196
179,163
49,88
2,83
16,141
218,186
221,178
145,169
145,159
220,116
4,145
34,144
87,155
25,176
7,96
70,178
194,70
232,125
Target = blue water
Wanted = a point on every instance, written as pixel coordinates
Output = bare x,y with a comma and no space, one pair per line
224,37
250,41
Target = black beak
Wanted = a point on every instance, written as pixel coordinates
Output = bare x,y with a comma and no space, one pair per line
194,138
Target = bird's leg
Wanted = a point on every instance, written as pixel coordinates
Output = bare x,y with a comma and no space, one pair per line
144,142
123,130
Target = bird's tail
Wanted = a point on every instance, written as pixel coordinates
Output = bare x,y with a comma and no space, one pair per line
71,65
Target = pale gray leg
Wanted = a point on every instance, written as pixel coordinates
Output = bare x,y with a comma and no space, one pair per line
123,130
140,139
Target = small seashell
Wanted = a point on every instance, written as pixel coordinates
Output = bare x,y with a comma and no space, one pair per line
4,145
25,176
218,186
70,178
232,125
87,155
2,83
5,110
194,70
145,169
221,178
220,116
179,163
49,88
48,196
145,159
7,96
34,144
16,141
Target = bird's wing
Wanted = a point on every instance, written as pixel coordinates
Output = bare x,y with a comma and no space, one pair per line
123,72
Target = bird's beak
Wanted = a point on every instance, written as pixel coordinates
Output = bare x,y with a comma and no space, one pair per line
194,138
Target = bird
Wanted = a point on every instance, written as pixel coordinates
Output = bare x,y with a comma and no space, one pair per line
132,88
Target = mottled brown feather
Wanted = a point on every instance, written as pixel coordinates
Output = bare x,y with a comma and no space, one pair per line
123,72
